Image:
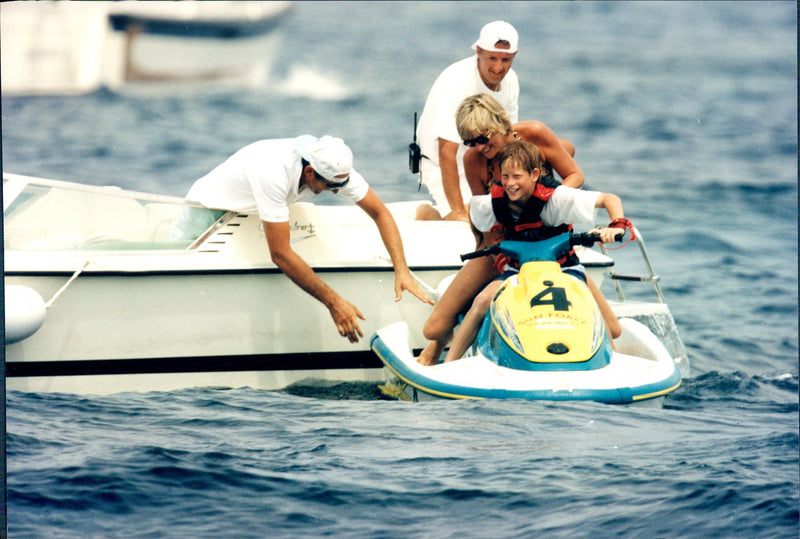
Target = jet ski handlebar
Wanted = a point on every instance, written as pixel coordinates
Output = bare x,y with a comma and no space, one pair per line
585,238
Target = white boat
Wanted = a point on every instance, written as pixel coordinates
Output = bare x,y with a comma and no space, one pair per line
123,308
99,300
67,47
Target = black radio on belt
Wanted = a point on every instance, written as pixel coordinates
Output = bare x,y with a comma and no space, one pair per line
414,153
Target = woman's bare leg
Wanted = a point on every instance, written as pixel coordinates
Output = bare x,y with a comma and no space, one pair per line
612,324
470,279
471,324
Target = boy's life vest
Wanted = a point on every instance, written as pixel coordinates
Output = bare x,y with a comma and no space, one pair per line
529,225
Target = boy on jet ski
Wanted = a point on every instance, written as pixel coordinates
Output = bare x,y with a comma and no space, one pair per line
524,207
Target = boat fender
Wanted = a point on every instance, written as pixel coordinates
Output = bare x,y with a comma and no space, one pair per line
25,312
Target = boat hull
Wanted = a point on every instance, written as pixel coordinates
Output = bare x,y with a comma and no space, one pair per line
127,309
110,333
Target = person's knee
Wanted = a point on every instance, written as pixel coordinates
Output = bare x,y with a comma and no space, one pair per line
436,329
426,212
431,330
483,301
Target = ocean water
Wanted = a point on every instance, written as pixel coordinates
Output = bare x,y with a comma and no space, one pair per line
688,111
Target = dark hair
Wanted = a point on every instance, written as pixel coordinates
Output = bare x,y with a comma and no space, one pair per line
304,164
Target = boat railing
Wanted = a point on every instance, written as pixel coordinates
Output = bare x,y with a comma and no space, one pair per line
650,277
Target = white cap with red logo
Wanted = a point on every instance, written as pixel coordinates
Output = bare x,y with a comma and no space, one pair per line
494,32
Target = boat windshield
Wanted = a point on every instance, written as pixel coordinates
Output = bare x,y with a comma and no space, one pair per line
42,217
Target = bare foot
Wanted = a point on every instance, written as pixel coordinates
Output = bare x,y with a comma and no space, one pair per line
428,357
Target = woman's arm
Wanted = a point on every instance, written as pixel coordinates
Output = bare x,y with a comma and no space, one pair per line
553,151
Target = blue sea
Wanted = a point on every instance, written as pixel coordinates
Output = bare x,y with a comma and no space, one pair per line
686,110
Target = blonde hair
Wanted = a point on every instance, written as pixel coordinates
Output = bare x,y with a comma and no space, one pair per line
521,153
479,114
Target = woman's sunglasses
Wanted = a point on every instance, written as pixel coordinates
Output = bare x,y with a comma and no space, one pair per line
480,139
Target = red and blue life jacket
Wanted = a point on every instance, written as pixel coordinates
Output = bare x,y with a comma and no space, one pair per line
529,225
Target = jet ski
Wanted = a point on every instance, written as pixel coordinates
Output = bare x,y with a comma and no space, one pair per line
543,338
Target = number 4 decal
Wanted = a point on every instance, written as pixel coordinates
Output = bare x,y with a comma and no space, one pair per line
552,295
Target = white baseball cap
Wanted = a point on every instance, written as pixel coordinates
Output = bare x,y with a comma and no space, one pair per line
494,32
329,156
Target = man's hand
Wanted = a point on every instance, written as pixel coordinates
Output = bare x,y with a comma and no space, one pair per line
406,282
345,315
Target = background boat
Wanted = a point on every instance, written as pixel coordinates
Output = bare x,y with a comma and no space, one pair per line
54,47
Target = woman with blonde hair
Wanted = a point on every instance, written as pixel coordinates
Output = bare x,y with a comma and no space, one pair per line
485,127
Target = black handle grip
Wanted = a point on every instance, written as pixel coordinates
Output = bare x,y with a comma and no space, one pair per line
494,249
586,239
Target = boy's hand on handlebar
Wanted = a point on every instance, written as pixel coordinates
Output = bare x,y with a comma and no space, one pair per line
615,231
609,235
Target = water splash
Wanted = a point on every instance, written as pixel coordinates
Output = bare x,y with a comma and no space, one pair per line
305,81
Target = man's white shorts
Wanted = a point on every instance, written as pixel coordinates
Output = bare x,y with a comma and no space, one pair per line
431,177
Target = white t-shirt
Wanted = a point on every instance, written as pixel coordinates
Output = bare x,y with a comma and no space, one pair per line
460,80
565,206
263,176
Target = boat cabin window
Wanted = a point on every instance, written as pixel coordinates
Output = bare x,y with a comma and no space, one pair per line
52,218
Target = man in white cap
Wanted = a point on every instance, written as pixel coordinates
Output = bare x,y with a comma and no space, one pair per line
269,175
489,72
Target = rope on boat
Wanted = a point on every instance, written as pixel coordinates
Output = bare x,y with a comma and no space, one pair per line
69,282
